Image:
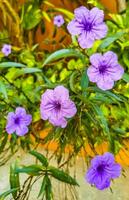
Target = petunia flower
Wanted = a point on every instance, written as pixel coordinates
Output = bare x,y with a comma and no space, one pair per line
88,25
6,49
56,106
58,20
18,121
103,169
104,70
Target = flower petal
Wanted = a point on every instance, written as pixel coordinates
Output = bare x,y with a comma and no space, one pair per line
80,13
96,15
93,74
27,119
10,128
68,109
60,122
110,58
20,111
90,176
21,130
86,40
10,116
61,93
108,158
116,72
105,82
103,184
95,59
48,96
99,31
113,170
74,27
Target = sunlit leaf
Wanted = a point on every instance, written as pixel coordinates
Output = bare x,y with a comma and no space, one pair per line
109,40
11,64
63,53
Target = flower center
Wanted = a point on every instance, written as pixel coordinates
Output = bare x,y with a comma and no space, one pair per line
100,169
88,26
17,120
57,106
102,69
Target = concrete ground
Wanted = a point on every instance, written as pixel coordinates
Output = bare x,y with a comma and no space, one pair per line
120,186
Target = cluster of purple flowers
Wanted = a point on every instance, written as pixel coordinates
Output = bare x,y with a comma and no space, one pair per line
56,105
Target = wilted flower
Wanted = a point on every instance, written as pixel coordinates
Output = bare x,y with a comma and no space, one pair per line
104,70
88,25
56,106
6,49
17,122
103,169
58,20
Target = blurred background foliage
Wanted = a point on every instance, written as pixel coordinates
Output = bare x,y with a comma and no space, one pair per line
43,57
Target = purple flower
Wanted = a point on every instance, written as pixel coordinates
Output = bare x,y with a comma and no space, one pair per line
88,25
6,49
103,169
56,106
17,122
58,20
104,70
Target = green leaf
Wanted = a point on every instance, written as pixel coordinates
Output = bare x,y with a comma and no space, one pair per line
14,179
3,89
40,157
32,170
63,53
84,80
101,118
43,186
72,79
48,188
21,72
62,176
126,77
5,194
109,40
11,64
69,14
32,16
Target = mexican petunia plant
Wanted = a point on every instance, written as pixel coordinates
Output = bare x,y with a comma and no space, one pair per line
67,92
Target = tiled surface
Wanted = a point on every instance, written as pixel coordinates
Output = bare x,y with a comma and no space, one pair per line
120,186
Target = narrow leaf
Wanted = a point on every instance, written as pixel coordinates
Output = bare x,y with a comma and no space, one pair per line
40,157
62,176
109,40
5,194
3,89
11,64
43,186
14,179
31,170
126,77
